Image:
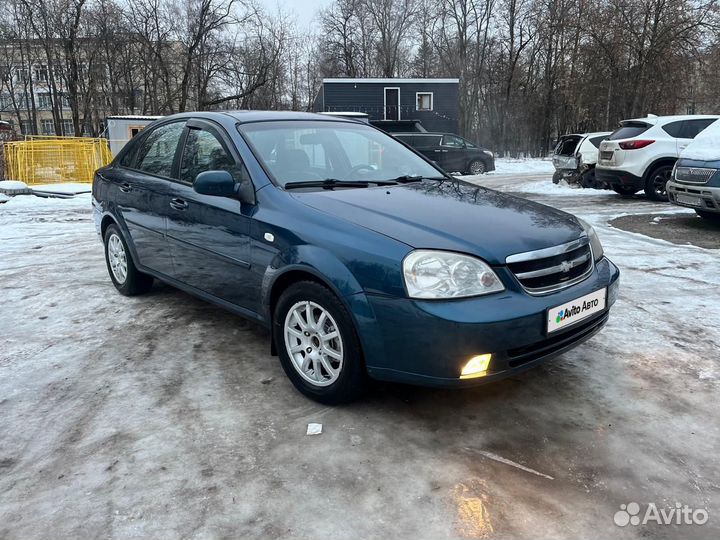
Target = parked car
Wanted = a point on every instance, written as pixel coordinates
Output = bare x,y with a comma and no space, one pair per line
575,158
361,256
641,153
451,152
696,178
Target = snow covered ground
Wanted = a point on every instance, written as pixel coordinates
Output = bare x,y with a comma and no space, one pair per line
164,416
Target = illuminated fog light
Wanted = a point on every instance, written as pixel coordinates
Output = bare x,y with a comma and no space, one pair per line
476,366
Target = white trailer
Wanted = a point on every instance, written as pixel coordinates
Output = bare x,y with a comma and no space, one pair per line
120,129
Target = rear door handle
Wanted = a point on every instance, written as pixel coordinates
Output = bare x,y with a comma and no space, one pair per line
126,187
178,204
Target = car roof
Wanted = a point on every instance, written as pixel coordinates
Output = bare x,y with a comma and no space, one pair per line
247,116
436,133
660,120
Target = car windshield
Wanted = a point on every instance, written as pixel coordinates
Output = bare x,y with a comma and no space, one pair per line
296,151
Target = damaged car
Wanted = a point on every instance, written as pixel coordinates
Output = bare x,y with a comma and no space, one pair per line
575,158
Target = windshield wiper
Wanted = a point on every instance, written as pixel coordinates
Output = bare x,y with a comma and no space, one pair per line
331,183
407,178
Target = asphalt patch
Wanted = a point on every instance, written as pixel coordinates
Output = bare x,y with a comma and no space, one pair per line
682,229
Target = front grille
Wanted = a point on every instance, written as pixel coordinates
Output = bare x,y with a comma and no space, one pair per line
694,175
551,269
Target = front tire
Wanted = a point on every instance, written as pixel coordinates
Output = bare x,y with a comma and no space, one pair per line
476,166
712,217
128,280
624,191
656,183
317,344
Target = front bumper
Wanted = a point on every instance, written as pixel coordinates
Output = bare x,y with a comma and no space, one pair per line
427,343
708,196
619,177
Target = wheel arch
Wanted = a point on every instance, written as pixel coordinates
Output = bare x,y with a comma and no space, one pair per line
659,162
323,269
106,221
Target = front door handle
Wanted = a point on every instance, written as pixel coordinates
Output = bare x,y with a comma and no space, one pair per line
178,204
126,187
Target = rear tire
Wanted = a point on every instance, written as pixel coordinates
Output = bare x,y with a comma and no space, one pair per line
128,280
320,352
624,191
712,217
476,166
656,183
589,180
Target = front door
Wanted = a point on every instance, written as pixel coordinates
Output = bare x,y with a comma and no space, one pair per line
392,104
453,154
143,195
210,236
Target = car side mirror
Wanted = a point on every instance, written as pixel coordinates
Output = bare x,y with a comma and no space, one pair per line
222,184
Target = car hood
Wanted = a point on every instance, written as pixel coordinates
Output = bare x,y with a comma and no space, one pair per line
450,215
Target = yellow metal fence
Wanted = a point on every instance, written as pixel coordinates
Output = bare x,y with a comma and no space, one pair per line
48,160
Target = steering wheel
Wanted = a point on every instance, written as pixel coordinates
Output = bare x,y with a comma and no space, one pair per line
357,168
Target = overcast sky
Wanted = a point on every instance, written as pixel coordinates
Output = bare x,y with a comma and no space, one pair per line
303,10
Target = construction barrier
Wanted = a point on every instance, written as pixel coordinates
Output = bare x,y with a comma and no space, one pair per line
50,160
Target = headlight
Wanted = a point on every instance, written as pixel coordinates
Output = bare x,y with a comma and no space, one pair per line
489,153
444,274
595,244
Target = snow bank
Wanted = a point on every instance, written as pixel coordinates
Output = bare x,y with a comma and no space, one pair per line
65,188
12,184
706,146
523,166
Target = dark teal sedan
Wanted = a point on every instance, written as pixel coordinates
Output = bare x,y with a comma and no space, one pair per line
363,258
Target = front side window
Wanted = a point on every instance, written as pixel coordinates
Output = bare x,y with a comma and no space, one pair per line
424,101
693,127
293,151
204,152
157,150
453,142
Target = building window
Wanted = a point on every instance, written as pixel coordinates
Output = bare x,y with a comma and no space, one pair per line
26,127
424,101
44,101
47,127
41,73
67,128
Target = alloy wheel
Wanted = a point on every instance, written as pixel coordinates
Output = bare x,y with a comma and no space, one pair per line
117,258
660,180
477,167
313,343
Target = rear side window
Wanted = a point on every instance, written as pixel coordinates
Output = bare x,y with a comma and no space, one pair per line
157,150
407,139
628,130
425,141
674,129
693,127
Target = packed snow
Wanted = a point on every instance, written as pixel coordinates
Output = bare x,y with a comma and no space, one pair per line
706,145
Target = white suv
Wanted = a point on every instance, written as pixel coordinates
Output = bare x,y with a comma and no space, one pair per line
641,153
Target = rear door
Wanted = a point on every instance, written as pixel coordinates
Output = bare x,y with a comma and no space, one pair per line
690,130
144,193
210,236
